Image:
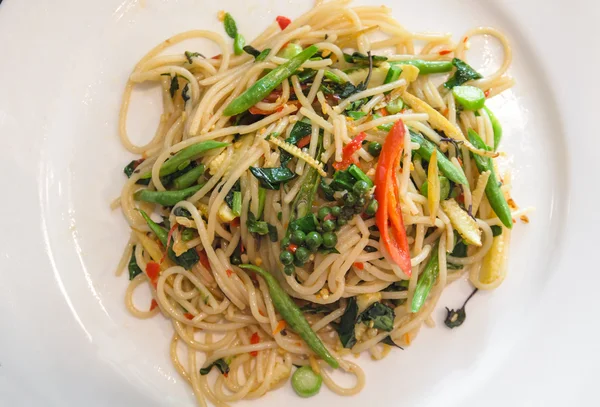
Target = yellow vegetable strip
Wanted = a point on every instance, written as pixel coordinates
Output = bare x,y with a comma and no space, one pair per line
433,188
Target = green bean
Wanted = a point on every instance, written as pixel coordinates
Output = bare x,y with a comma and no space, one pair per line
496,126
293,316
161,233
305,382
262,196
493,192
359,175
445,165
261,88
426,280
427,67
189,153
238,44
189,178
166,198
392,75
237,203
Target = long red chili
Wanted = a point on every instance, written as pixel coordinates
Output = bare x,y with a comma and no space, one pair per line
348,152
389,214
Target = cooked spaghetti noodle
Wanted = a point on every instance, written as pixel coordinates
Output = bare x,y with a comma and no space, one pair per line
363,180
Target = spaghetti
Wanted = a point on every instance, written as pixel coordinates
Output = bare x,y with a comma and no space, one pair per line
352,159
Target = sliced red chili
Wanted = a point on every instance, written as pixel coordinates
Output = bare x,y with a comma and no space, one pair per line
348,152
283,22
153,305
204,259
254,339
304,141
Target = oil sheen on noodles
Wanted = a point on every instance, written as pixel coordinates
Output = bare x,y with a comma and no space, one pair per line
221,312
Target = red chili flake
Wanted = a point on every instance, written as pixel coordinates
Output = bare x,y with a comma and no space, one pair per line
152,271
283,22
204,259
217,57
254,339
445,52
304,141
188,315
487,93
153,305
359,265
466,39
229,272
292,248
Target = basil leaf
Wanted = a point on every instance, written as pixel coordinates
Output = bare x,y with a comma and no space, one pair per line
299,131
185,93
189,55
229,197
330,250
271,178
397,286
464,73
130,168
133,267
174,86
496,230
179,211
381,315
306,224
388,341
345,328
273,235
219,363
187,260
249,49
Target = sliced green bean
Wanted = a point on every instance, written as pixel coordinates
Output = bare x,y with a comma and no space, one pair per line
493,191
189,153
426,280
496,126
294,317
445,165
392,75
238,44
262,196
166,198
305,382
261,88
189,178
427,67
161,233
359,175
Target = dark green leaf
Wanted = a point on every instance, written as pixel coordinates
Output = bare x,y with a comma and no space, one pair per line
456,318
357,104
306,223
345,328
272,178
249,49
256,226
388,341
315,309
130,168
273,235
229,197
358,58
464,73
496,230
174,85
327,190
189,55
342,181
460,248
219,363
133,267
397,286
299,131
185,93
230,25
452,266
179,211
330,250
186,260
381,315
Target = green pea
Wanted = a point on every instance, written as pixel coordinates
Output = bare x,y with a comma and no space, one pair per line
319,229
302,254
305,382
350,199
374,148
335,211
313,240
289,269
286,258
372,207
298,237
329,225
360,188
360,202
342,221
235,259
323,212
285,242
329,240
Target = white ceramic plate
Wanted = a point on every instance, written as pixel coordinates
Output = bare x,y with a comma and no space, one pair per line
65,337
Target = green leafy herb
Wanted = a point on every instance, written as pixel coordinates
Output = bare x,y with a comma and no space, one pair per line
342,181
174,85
358,58
133,267
229,197
299,131
378,316
230,25
327,190
130,168
272,178
315,309
179,211
345,328
397,286
388,341
263,55
306,223
456,318
219,363
249,49
260,227
496,230
464,73
185,93
328,250
356,115
190,55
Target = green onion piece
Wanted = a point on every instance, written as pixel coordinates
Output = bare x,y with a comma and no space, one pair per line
237,203
470,97
290,51
238,44
262,196
333,77
359,175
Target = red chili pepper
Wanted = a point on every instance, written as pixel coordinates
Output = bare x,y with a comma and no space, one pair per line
229,272
188,315
254,339
445,52
348,152
292,248
304,141
217,57
466,39
389,214
153,305
383,112
359,265
283,22
487,93
152,271
235,223
204,259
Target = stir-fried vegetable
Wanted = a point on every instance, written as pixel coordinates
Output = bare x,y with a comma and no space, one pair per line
305,382
469,97
426,280
427,67
389,214
496,127
189,178
433,190
446,167
261,88
462,222
166,198
464,73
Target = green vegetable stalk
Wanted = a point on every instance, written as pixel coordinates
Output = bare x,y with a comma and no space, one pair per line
445,165
496,126
427,67
166,198
293,316
426,280
189,178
